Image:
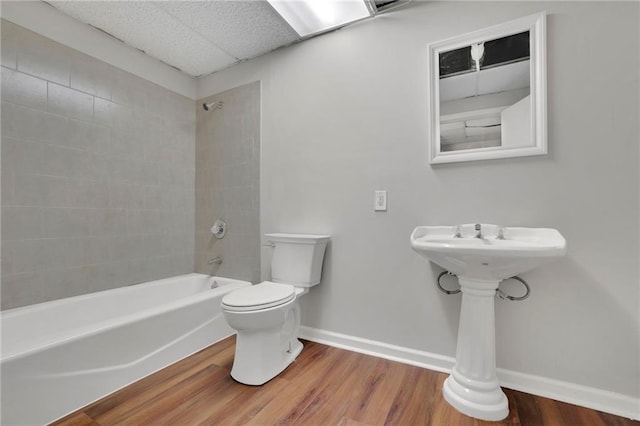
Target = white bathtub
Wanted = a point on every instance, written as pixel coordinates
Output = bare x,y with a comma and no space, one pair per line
59,356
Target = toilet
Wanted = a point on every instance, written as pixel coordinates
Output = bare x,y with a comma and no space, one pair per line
266,316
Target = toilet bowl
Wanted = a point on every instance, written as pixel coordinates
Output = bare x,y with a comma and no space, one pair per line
266,316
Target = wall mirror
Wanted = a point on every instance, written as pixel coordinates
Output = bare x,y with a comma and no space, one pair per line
487,93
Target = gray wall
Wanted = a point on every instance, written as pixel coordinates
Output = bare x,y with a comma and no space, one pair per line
227,183
344,115
98,174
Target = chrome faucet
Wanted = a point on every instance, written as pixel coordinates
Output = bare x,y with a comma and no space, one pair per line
478,230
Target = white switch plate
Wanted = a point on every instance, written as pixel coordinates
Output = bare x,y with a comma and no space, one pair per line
380,201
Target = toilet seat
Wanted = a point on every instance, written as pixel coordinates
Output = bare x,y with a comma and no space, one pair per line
260,296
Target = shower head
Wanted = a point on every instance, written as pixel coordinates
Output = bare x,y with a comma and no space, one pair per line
212,105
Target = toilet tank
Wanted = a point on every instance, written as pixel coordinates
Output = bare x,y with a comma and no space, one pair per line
297,258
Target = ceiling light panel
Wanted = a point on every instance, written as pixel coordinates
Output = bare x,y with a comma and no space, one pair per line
310,17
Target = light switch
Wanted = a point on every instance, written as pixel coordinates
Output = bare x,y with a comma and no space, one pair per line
380,201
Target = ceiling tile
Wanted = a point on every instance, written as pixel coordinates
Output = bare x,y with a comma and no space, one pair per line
244,29
196,37
151,29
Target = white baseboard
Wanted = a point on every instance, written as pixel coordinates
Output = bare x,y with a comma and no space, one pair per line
597,399
585,396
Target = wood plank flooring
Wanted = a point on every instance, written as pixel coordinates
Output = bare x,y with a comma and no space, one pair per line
324,386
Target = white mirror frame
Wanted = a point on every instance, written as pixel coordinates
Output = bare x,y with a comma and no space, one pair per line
536,25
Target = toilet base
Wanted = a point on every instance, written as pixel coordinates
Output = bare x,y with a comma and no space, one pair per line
266,341
256,367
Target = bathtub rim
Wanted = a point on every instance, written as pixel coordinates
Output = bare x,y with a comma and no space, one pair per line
40,305
106,325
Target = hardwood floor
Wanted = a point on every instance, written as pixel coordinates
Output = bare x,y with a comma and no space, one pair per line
324,386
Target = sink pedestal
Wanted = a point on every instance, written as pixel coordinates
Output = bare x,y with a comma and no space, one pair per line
472,388
482,255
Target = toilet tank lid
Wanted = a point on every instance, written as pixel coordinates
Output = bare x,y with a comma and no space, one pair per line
297,238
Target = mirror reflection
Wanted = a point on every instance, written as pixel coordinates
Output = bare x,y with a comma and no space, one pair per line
485,94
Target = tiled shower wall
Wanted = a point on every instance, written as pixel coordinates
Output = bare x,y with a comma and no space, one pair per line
98,174
227,183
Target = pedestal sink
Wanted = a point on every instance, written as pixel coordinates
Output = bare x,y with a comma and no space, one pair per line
482,255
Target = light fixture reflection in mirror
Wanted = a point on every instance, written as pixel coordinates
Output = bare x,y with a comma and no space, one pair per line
479,104
488,93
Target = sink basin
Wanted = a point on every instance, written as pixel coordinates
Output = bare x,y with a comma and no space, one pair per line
489,257
482,255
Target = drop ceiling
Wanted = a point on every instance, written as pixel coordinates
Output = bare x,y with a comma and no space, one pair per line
196,37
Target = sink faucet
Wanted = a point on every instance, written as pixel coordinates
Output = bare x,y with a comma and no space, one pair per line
478,230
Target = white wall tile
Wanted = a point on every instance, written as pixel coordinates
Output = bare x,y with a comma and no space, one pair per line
126,247
8,187
105,276
140,172
91,76
67,222
126,143
116,115
78,170
8,119
105,111
156,197
68,162
38,190
67,282
224,180
40,126
110,222
18,256
23,89
60,253
101,168
96,250
88,193
124,195
70,102
158,245
147,222
21,223
22,156
21,289
84,135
